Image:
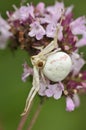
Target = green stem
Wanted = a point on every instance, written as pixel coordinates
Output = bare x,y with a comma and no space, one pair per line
36,114
23,119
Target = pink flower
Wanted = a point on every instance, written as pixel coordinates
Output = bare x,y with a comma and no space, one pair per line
25,11
57,10
22,13
70,106
54,90
84,85
51,30
78,26
37,30
14,15
50,90
4,33
27,71
76,100
78,63
40,7
69,10
81,42
72,103
47,19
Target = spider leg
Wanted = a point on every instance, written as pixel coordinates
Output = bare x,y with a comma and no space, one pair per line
52,45
43,77
34,90
29,96
59,49
48,48
30,100
35,84
56,37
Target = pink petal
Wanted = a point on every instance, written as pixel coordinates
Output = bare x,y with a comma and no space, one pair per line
40,7
37,30
78,63
69,10
84,85
58,94
51,30
70,106
27,71
78,26
81,42
76,100
49,93
42,88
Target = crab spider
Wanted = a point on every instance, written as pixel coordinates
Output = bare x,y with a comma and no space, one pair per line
38,62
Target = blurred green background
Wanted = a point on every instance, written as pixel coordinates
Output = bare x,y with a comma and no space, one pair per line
13,92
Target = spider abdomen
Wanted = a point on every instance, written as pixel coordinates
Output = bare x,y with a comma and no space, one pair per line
57,66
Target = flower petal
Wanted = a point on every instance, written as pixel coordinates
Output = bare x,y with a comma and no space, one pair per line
78,26
70,106
49,93
57,94
27,71
76,100
78,63
37,30
81,42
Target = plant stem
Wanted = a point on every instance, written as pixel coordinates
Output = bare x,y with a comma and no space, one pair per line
36,114
23,120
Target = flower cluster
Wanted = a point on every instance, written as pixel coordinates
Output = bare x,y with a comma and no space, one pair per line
33,28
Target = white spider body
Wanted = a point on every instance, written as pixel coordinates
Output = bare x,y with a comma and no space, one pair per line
57,66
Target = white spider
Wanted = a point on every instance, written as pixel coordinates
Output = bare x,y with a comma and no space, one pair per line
38,62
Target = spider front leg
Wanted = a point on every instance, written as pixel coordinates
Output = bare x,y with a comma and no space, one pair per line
53,44
33,91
